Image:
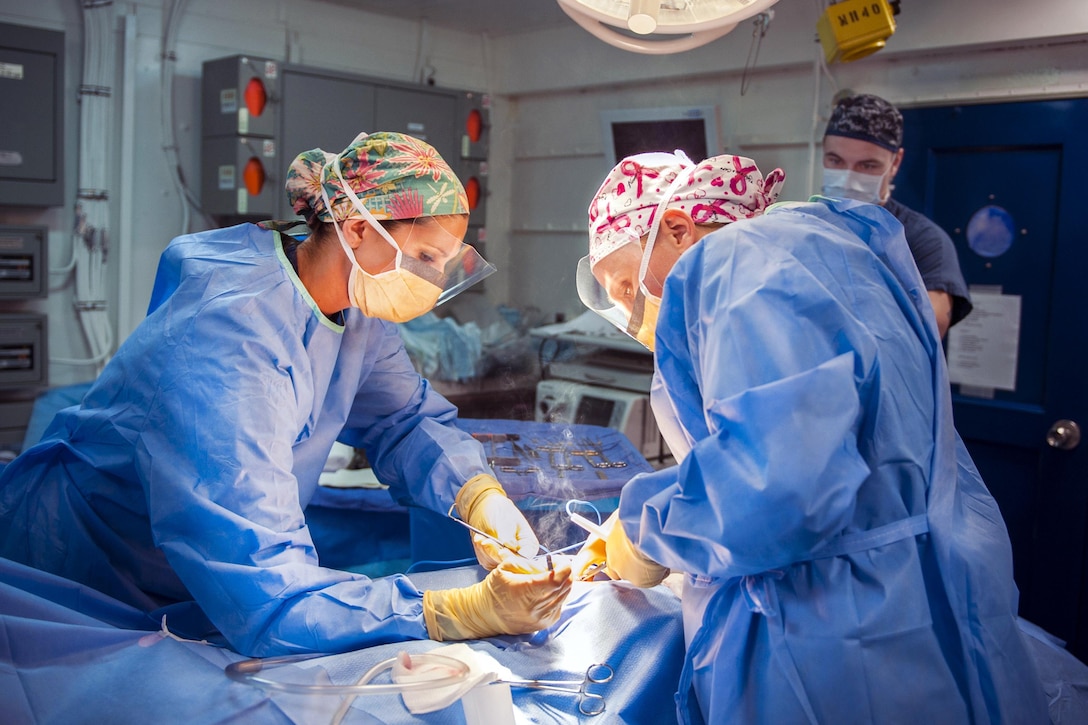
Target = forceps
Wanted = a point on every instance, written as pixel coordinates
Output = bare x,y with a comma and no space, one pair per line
589,703
486,536
541,551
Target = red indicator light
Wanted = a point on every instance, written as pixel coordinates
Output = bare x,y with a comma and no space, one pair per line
256,96
474,125
253,175
472,191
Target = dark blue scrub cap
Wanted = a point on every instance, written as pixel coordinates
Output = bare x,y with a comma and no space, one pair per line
867,118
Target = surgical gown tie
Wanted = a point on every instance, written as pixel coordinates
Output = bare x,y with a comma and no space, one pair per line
761,595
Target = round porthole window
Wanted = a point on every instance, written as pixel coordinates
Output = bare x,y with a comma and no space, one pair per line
990,231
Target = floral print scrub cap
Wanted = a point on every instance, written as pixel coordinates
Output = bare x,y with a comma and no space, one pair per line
719,190
396,176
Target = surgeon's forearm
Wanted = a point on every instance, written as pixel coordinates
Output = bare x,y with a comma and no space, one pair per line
942,310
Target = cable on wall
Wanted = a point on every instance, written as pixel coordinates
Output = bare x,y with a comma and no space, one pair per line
759,30
91,228
172,14
819,68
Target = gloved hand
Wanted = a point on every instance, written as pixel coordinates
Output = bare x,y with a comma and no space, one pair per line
482,503
622,560
516,598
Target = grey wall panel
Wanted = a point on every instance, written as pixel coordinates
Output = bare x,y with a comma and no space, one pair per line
426,114
323,111
32,122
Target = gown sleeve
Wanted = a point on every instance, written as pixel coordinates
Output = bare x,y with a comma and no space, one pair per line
767,372
216,455
408,430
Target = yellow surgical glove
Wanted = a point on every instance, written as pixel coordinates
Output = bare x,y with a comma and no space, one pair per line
623,560
592,556
515,598
482,503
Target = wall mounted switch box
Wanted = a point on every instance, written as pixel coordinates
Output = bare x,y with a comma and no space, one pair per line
24,360
239,97
24,266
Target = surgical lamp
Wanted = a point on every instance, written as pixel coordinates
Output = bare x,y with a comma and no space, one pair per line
659,27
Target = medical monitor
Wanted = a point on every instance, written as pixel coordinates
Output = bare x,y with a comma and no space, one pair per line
694,129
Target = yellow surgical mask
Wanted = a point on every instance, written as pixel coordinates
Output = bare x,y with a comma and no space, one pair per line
413,287
644,326
643,322
397,295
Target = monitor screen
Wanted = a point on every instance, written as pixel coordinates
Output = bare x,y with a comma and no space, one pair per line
594,411
694,130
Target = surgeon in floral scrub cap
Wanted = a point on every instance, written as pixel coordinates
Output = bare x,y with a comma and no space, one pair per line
178,485
840,559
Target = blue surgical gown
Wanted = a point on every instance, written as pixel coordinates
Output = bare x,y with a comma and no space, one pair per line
183,475
844,561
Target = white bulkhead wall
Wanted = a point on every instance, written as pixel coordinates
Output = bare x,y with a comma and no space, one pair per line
547,88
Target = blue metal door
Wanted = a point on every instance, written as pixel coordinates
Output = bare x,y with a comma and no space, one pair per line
1008,183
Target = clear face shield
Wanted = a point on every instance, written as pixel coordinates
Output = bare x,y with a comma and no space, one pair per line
428,268
615,288
436,256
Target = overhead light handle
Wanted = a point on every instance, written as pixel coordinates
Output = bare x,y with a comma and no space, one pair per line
643,16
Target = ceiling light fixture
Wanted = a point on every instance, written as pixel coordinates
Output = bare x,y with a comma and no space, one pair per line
660,26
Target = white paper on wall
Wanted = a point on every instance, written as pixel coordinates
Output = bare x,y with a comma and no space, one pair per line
984,346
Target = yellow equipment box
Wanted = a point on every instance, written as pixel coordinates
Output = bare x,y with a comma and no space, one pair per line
853,29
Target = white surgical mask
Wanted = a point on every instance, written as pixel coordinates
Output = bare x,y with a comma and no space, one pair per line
846,184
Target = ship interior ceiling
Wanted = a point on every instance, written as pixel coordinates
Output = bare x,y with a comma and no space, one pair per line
129,126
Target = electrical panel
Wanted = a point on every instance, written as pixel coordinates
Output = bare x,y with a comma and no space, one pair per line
240,176
307,108
14,416
239,96
474,119
311,90
23,355
422,112
240,169
32,127
23,263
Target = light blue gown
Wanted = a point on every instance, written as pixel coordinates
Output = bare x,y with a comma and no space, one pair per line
184,473
845,562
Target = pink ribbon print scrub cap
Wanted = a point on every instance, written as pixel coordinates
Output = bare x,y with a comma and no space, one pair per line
718,190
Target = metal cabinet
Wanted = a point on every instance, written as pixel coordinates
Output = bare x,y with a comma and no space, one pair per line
275,111
32,126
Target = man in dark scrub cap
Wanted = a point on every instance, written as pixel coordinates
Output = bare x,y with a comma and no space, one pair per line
863,147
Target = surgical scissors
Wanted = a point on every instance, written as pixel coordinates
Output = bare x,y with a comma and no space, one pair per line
589,703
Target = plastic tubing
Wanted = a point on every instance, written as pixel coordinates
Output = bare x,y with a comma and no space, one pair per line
247,671
584,523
